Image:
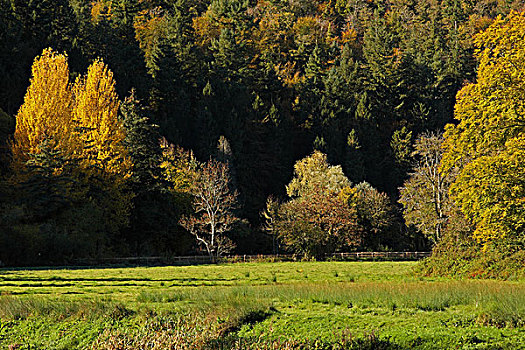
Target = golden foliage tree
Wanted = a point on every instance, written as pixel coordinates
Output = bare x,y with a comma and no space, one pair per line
313,173
80,122
179,167
46,112
95,114
488,142
102,155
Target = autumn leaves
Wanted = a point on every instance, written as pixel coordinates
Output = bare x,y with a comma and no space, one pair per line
69,135
488,143
78,119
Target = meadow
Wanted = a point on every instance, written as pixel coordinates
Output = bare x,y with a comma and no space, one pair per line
288,305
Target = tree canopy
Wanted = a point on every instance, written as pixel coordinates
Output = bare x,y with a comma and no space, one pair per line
487,143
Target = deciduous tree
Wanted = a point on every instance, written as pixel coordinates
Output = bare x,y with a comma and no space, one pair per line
424,196
316,220
95,116
79,124
47,109
213,206
313,173
376,215
487,144
320,224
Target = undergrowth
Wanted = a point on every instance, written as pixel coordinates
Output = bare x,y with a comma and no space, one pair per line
502,260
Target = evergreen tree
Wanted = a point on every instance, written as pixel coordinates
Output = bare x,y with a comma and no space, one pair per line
142,143
151,229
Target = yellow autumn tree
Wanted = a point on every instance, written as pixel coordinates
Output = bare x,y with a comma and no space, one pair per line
46,112
314,173
103,155
488,143
80,123
150,27
95,115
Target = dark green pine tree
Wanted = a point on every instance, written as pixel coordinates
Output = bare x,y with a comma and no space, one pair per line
176,70
227,102
113,39
26,28
207,125
229,56
47,181
62,213
311,93
7,128
153,225
394,86
232,12
12,72
315,67
338,104
142,143
125,10
55,20
440,74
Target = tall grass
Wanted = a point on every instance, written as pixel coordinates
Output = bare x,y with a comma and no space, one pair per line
188,338
426,296
496,303
21,308
506,309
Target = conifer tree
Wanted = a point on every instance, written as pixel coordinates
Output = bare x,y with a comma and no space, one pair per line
7,127
142,144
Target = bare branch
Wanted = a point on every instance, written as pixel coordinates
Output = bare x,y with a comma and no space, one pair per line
213,206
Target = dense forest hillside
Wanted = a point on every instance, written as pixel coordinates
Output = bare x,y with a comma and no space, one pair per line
111,111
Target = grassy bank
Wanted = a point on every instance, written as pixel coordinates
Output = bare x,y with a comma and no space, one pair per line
326,305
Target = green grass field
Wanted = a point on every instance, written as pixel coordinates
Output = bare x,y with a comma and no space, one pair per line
307,305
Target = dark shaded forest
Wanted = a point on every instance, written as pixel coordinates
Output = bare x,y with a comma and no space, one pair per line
255,85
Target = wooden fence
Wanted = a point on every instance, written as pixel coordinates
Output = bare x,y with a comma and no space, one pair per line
203,259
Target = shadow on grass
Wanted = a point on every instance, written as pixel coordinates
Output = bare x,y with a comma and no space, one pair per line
105,279
370,342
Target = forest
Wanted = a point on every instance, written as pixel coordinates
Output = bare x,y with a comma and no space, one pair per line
173,127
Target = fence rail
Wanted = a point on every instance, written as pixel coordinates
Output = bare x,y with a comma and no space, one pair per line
203,259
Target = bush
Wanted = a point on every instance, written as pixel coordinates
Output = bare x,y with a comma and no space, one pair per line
499,260
318,224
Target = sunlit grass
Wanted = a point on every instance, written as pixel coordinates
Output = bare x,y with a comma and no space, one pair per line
382,304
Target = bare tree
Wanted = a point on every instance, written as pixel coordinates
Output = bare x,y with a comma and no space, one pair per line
213,206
